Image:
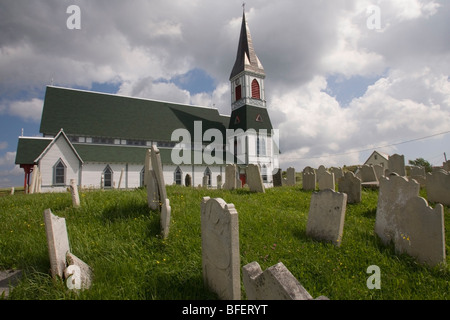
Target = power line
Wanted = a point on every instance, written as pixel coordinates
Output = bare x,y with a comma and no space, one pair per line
371,148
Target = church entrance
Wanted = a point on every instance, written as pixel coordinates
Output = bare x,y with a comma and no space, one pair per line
243,178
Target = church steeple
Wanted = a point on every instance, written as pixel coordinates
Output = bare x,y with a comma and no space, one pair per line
247,76
246,58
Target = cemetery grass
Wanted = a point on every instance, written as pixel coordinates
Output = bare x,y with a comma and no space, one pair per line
119,237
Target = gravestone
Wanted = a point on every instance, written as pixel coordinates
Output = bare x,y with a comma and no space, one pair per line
120,179
8,280
397,164
379,171
254,178
58,242
187,180
152,190
438,187
159,174
338,173
309,170
446,165
395,192
326,216
368,174
309,181
418,173
350,185
165,218
325,180
421,232
75,195
219,181
275,283
290,175
86,273
205,181
277,179
220,248
230,177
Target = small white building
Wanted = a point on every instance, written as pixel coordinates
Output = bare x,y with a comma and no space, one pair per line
100,140
378,158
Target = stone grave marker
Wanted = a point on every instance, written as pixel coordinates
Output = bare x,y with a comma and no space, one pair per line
309,181
325,180
187,180
75,195
165,218
368,173
420,232
338,173
397,164
379,171
58,242
8,280
230,177
220,248
290,175
395,191
350,185
219,181
86,274
277,178
438,187
326,216
254,178
205,181
275,283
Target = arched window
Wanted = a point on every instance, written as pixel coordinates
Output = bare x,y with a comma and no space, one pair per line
255,89
208,174
260,146
59,173
108,177
178,176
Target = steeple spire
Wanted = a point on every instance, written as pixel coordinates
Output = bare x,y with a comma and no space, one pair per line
246,59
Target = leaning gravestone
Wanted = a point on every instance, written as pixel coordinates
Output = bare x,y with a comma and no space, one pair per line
277,179
75,195
421,232
395,192
438,187
254,178
220,248
368,174
326,216
350,185
165,218
275,283
58,242
85,272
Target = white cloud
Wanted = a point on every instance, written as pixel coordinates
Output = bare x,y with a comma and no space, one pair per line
30,110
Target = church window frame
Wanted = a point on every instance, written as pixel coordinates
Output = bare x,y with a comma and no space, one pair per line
59,173
108,177
178,176
256,90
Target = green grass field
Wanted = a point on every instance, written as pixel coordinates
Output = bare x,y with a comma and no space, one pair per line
119,237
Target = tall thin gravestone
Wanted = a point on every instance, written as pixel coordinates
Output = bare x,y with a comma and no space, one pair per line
220,248
290,174
254,178
438,187
75,195
58,242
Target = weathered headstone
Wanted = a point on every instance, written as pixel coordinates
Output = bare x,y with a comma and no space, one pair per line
446,165
418,173
397,164
395,192
379,171
254,178
8,280
159,174
219,181
165,218
325,180
205,181
421,232
338,173
290,176
230,177
368,173
75,195
58,242
86,274
277,178
350,185
220,248
153,199
326,216
309,181
120,179
275,283
187,180
438,187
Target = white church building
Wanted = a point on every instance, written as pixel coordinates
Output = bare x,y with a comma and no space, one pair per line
100,140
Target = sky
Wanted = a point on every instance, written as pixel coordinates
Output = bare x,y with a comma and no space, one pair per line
343,77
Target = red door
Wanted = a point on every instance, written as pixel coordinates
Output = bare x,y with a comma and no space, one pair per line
242,177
